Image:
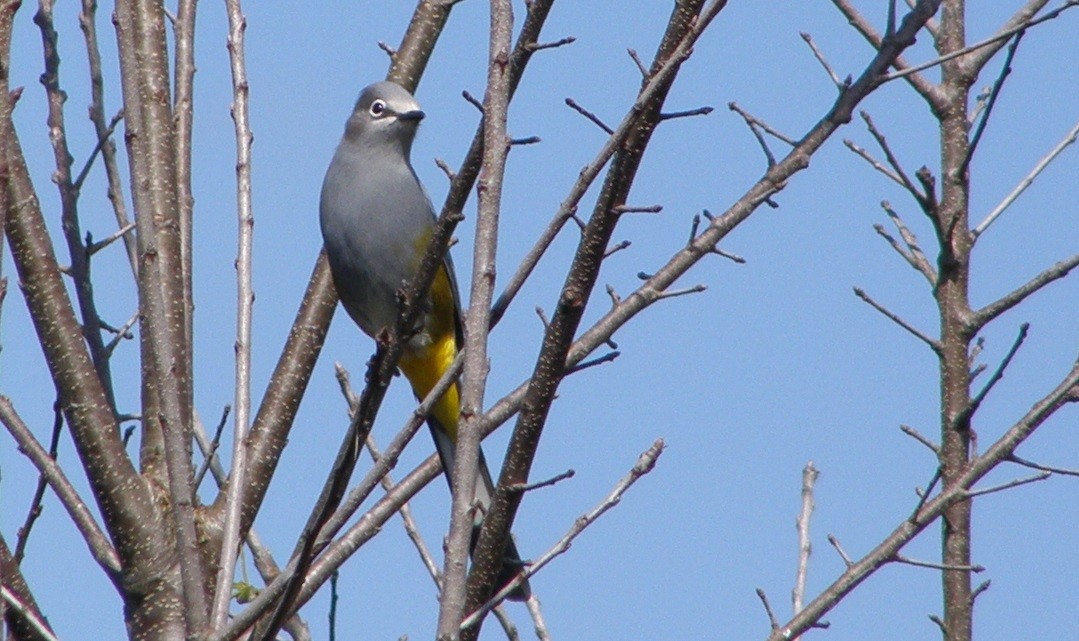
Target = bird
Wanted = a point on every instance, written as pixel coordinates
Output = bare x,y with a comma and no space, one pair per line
377,222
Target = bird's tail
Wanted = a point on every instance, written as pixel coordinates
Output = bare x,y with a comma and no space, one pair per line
423,368
512,565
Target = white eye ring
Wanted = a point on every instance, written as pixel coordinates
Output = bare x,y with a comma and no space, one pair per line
377,108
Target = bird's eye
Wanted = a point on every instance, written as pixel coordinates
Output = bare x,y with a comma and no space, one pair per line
378,107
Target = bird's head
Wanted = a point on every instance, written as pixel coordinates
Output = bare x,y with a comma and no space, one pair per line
385,114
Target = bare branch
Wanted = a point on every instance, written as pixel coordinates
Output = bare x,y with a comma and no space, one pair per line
805,547
583,365
841,85
674,293
588,114
103,131
209,454
1010,484
646,462
929,92
528,487
931,25
923,495
100,547
839,549
899,558
637,61
933,344
989,45
976,402
472,100
101,143
982,587
536,46
992,310
121,333
614,249
892,160
245,299
933,508
477,323
92,247
530,140
1068,139
873,162
34,512
916,435
754,121
768,608
537,619
915,257
637,209
1038,466
998,84
40,626
699,111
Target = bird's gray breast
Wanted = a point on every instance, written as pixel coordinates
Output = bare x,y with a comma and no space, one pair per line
375,220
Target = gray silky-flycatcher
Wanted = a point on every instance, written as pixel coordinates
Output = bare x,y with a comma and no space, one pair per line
377,223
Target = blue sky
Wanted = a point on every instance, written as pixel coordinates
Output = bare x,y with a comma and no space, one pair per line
776,364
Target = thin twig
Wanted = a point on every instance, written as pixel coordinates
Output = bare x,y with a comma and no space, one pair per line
122,333
588,114
929,92
772,621
839,84
750,119
882,142
472,100
100,546
873,162
994,93
103,130
976,402
101,142
245,299
915,256
209,457
537,46
39,492
934,345
805,547
1010,484
1003,35
540,624
923,495
599,360
839,548
637,61
755,126
996,308
899,558
645,464
699,111
982,587
528,487
1028,180
92,247
1047,468
11,600
918,436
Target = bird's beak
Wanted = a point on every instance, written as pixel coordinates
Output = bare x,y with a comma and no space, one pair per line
414,114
